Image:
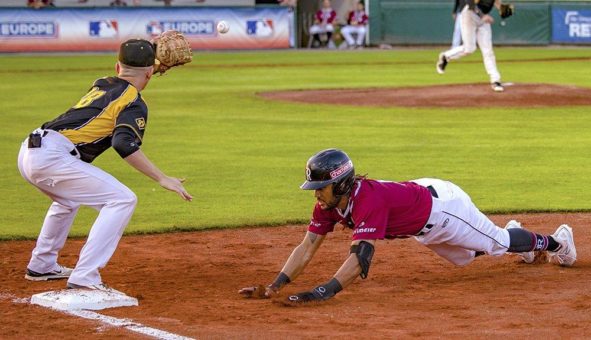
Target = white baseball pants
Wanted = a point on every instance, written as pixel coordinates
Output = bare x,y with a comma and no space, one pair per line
348,32
318,29
70,183
459,228
473,31
457,36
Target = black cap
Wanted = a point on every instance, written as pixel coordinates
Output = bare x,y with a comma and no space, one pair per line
327,166
137,52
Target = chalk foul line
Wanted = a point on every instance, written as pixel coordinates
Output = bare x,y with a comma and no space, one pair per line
107,320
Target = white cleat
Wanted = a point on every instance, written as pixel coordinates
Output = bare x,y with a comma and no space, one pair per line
566,255
60,273
497,87
527,257
101,286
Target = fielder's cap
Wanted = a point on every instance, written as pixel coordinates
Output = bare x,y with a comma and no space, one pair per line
137,53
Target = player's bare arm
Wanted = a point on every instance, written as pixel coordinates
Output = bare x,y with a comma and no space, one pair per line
357,264
140,162
294,266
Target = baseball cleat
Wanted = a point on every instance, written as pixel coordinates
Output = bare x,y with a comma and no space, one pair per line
441,63
566,254
101,286
527,257
60,273
497,86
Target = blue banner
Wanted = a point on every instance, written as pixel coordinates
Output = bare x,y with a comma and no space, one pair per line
571,26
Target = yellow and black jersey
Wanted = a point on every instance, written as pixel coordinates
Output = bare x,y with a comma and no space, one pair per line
111,103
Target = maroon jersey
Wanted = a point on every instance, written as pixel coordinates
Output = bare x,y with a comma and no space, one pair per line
326,16
378,210
359,17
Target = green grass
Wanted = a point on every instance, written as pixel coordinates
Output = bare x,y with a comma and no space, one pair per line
244,156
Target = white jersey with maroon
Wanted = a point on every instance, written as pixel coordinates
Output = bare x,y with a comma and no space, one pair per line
326,17
357,26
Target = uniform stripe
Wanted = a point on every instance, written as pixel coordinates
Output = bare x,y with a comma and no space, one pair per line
103,124
132,128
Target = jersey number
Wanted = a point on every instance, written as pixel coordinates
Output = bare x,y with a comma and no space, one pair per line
91,96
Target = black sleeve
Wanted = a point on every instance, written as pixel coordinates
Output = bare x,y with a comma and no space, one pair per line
135,118
125,141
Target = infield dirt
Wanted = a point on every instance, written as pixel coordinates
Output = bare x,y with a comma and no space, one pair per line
187,284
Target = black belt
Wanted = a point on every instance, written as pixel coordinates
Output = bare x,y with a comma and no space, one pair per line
35,142
428,227
433,192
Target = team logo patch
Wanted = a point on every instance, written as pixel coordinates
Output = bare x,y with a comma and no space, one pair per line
308,174
141,123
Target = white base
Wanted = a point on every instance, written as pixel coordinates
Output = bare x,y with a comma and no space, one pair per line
76,299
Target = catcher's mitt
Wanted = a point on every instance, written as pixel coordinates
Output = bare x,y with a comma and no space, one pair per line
506,10
172,49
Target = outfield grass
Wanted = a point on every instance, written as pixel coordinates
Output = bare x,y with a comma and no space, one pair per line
244,156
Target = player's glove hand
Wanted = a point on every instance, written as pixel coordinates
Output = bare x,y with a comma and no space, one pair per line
258,292
172,49
506,10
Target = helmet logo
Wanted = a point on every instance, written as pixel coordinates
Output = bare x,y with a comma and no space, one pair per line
308,174
339,171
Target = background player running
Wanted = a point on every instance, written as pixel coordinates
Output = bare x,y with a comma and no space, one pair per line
475,23
437,213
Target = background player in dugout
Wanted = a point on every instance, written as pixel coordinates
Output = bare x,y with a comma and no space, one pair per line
437,213
56,159
475,27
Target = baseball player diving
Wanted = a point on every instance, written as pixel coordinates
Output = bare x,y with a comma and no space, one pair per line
56,158
435,212
475,23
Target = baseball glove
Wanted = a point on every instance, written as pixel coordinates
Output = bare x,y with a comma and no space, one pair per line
172,49
506,10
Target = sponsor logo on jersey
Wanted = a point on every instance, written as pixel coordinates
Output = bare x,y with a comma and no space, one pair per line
364,230
261,28
41,29
315,224
141,123
346,167
187,27
103,29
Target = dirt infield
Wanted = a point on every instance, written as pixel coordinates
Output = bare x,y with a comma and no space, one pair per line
449,95
187,284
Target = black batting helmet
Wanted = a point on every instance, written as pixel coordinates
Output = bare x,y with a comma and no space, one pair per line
330,166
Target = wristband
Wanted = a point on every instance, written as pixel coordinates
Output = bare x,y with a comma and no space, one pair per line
327,290
281,280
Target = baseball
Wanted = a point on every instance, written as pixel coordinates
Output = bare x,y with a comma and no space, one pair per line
223,27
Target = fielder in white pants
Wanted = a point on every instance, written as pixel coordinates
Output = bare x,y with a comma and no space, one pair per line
70,183
56,160
475,29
